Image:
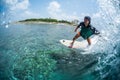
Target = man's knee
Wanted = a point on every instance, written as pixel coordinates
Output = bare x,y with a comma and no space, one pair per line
76,36
78,33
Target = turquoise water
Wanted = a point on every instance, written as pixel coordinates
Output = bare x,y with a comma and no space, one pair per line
33,52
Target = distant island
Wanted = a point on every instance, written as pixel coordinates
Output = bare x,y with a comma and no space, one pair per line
48,20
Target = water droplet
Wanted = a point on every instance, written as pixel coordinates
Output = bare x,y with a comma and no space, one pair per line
3,13
6,26
3,22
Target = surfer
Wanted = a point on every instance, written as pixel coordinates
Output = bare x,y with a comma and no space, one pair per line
86,31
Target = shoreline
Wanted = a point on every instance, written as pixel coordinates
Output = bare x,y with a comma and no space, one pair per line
41,22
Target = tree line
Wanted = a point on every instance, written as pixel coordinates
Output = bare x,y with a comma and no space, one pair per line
47,20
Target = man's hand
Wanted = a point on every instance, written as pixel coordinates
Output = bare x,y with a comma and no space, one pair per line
76,29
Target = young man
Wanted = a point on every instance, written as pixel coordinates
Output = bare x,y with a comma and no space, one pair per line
86,30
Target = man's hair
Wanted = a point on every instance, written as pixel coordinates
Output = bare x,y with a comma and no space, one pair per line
88,18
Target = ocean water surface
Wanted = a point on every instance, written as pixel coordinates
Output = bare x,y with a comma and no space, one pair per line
33,51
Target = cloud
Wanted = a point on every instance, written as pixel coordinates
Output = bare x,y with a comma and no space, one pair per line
54,7
20,9
22,5
11,2
17,5
55,11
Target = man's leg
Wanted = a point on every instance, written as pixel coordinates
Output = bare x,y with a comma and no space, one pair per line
75,37
89,41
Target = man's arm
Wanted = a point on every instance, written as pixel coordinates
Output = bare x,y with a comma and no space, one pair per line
95,31
77,27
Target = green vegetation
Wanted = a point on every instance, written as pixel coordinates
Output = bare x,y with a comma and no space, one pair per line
49,20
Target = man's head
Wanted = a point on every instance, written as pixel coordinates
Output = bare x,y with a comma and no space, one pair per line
87,20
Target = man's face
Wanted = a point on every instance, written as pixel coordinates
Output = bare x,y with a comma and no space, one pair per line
86,21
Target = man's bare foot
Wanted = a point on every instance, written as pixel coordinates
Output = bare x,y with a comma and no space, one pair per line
71,45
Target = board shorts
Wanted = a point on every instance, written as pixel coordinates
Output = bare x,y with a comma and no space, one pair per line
86,32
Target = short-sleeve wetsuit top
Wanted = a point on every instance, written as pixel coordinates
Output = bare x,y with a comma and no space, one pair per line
87,31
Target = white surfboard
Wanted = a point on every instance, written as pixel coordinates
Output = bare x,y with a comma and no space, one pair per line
79,44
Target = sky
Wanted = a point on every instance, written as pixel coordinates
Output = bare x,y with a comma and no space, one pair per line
59,9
